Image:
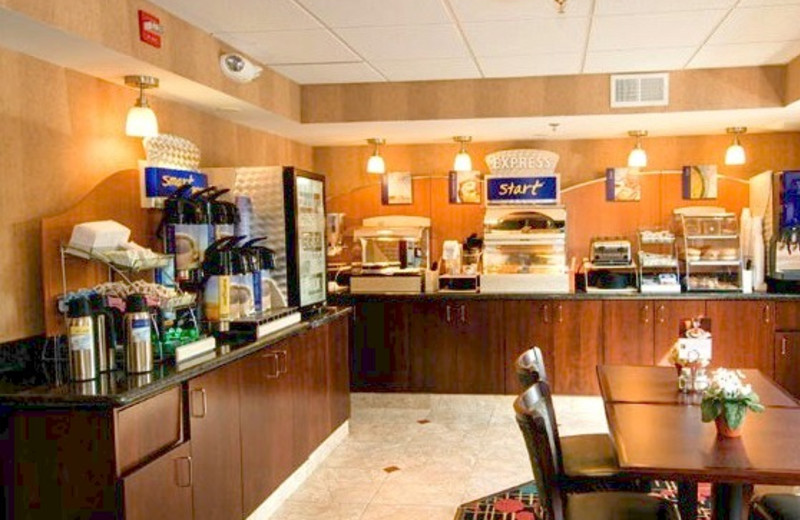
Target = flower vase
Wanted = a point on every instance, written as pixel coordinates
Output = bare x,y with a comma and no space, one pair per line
723,430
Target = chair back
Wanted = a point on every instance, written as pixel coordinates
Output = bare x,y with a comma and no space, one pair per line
530,367
544,451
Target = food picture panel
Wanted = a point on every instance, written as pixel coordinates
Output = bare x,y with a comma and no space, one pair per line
397,188
465,187
700,182
622,185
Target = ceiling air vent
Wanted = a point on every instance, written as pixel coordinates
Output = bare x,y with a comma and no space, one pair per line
639,90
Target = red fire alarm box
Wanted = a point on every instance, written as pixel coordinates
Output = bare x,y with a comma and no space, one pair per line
150,29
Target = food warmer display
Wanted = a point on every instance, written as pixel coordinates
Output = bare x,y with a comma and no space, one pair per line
659,271
524,250
710,249
394,255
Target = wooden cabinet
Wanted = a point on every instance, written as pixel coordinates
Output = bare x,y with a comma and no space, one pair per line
527,323
338,372
266,424
667,315
742,332
305,364
628,332
214,420
577,345
380,355
162,488
457,347
787,361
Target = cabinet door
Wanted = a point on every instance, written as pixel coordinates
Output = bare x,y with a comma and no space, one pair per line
527,324
667,316
742,334
162,488
787,315
214,425
787,361
338,372
380,355
479,347
577,346
306,367
266,425
433,340
628,332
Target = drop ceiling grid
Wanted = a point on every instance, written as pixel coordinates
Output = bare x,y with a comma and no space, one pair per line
327,41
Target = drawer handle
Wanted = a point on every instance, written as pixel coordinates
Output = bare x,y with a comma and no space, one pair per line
270,374
189,472
559,313
282,354
766,313
661,313
463,314
783,346
645,311
546,313
203,400
448,313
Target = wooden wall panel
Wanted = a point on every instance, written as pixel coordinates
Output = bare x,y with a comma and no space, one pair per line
62,134
792,81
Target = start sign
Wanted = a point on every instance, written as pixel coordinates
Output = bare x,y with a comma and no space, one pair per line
534,189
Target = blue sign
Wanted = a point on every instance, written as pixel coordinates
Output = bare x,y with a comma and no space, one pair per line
538,189
162,182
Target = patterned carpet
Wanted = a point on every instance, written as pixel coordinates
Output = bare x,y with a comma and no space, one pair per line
521,503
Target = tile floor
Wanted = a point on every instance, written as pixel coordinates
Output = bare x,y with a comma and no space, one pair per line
420,456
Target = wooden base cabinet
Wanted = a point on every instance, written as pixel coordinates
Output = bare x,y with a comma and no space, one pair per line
380,357
667,316
577,346
162,488
528,324
787,361
742,334
628,332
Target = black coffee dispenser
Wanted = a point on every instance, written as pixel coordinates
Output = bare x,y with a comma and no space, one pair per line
187,231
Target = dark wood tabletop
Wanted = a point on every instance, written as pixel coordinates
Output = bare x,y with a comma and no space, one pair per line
658,385
671,441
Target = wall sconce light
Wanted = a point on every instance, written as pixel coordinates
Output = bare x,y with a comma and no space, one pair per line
462,162
638,157
735,154
376,164
141,121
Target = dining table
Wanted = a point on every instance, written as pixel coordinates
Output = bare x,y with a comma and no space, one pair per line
658,434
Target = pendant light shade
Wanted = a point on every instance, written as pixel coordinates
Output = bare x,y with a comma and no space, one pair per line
375,163
735,155
638,157
141,120
462,162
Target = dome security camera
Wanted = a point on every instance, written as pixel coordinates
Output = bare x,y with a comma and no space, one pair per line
238,68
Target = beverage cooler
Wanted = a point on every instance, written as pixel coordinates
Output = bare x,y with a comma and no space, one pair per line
525,250
287,205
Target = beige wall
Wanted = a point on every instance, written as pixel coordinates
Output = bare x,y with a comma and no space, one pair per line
62,133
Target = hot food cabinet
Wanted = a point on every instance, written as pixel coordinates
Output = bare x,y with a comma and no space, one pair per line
525,250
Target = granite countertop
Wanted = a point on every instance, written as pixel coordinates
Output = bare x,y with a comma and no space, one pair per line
120,389
346,298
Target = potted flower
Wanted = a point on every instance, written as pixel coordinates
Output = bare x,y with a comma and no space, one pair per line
726,401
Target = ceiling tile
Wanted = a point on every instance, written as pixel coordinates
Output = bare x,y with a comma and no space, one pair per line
745,54
751,3
406,43
607,7
330,73
247,15
759,24
527,37
415,70
637,60
307,46
533,65
665,30
509,10
372,13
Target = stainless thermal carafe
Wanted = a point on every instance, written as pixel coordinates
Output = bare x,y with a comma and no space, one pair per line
105,339
138,346
80,334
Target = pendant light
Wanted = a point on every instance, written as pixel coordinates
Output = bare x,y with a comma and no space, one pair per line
638,157
141,121
462,162
376,164
735,154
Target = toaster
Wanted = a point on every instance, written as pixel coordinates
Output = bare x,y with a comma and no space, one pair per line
611,251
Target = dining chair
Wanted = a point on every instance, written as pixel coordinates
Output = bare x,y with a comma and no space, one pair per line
589,460
556,502
775,506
